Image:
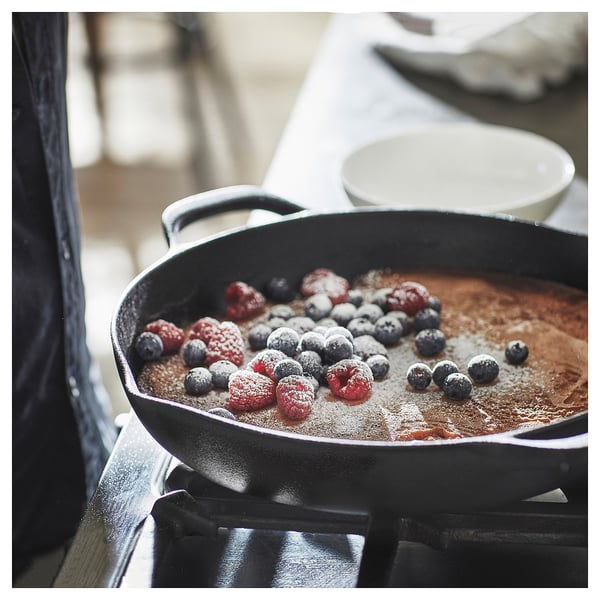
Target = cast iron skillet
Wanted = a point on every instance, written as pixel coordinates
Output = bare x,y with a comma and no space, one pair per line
377,477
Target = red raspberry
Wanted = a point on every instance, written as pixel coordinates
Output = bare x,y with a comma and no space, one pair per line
264,362
203,329
243,301
350,379
325,281
409,297
171,335
249,390
226,343
295,396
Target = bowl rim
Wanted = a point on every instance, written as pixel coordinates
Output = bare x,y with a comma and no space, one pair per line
532,200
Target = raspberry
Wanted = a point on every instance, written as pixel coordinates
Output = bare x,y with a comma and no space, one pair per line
409,297
243,301
226,343
295,395
264,362
350,379
170,335
249,390
325,281
203,329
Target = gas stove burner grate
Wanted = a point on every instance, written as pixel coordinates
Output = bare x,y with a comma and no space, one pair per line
543,541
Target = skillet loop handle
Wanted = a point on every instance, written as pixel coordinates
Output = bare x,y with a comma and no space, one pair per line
206,204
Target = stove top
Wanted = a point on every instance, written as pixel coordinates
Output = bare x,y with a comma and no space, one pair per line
202,535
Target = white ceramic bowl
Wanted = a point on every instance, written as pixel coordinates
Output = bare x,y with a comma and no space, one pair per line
464,166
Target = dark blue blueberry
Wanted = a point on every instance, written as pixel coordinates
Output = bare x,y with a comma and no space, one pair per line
258,335
435,303
430,342
355,297
278,289
222,412
403,319
285,367
457,386
339,330
300,324
379,365
318,306
380,298
419,375
311,363
284,339
343,313
276,322
313,381
337,347
483,368
198,381
361,326
194,353
369,311
442,369
311,340
366,346
281,311
220,372
426,318
388,330
327,323
148,345
516,352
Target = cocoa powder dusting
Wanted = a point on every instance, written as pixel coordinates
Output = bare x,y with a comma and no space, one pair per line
480,313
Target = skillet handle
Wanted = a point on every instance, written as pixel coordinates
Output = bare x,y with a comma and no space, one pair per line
206,204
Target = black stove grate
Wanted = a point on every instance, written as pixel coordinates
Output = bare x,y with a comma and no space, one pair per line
198,525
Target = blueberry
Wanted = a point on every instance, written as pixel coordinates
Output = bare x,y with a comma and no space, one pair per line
276,322
318,306
516,352
313,381
379,365
403,319
258,335
337,347
198,381
311,363
285,367
430,342
355,297
220,372
194,353
339,330
327,323
380,298
284,339
442,369
361,326
419,375
369,311
281,311
426,318
366,346
278,289
388,330
483,368
300,324
457,386
148,345
311,340
435,303
222,412
343,313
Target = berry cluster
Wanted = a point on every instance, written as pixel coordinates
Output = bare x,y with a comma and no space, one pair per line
340,340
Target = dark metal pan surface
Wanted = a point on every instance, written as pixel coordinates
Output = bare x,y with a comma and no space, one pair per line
378,477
